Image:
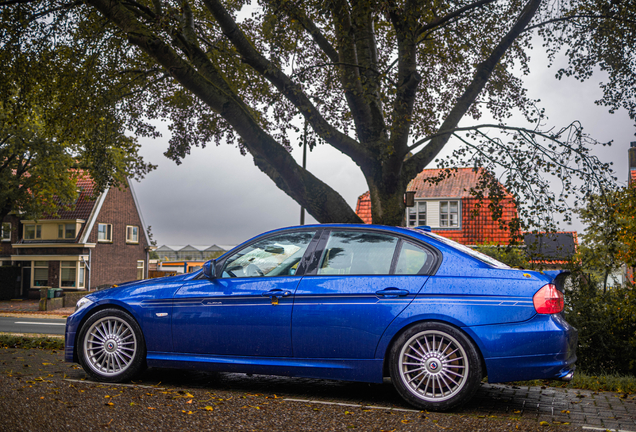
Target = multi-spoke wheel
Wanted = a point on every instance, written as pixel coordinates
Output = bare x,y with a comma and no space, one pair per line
111,346
435,366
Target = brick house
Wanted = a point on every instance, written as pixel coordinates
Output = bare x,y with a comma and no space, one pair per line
451,210
100,242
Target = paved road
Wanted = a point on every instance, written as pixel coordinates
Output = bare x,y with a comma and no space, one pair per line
504,406
19,324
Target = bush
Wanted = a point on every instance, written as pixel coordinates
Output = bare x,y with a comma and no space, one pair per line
607,326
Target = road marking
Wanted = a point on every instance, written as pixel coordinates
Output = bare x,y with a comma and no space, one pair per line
354,405
113,384
38,323
604,429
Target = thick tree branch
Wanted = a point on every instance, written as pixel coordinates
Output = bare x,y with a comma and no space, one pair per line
483,73
273,159
286,86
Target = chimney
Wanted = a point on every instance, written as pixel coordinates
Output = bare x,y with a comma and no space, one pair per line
632,162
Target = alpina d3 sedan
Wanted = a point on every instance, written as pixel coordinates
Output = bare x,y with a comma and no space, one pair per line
344,302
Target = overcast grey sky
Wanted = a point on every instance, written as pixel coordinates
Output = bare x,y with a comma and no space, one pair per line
217,196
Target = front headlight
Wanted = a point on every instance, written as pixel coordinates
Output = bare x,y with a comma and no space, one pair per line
82,303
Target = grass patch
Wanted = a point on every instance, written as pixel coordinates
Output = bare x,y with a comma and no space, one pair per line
28,342
613,383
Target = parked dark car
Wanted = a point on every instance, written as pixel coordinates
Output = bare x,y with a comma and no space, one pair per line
345,302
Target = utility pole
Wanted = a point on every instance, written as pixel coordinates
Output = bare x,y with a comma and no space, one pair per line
302,209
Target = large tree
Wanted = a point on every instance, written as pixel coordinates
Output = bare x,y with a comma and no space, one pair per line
384,82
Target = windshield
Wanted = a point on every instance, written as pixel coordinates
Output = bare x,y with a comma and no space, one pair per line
473,253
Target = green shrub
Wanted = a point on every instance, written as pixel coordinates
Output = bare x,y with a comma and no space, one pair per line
607,327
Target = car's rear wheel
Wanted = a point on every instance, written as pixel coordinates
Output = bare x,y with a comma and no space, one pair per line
111,346
435,366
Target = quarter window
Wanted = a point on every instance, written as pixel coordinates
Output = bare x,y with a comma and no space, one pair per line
413,260
6,231
449,213
357,253
40,271
274,256
132,234
105,232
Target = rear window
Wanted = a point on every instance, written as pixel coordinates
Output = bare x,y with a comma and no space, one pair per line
468,251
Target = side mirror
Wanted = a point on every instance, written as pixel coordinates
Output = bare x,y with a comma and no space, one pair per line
209,269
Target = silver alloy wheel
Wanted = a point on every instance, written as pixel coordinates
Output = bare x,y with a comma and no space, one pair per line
433,366
109,346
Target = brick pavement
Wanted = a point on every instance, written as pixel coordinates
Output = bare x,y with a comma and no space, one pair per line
592,410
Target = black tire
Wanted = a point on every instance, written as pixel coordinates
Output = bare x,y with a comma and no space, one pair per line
111,346
435,366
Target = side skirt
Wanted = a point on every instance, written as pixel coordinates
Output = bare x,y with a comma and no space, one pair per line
336,369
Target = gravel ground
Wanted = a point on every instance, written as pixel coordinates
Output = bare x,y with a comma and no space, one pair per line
39,392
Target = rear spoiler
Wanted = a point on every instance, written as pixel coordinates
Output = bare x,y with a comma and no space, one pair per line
558,277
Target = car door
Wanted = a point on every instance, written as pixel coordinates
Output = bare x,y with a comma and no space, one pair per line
246,310
362,281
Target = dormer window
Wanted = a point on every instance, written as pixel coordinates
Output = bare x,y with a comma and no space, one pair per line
32,232
66,231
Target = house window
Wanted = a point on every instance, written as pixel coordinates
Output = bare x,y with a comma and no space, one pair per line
66,231
449,213
80,275
32,232
40,273
132,234
104,232
140,270
417,214
6,231
68,274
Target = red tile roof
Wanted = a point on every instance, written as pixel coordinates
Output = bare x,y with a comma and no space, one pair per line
477,225
84,204
456,184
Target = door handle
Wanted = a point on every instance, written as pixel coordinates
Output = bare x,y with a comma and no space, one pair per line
392,293
276,293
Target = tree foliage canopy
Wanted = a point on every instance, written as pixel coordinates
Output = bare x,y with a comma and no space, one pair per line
54,122
384,82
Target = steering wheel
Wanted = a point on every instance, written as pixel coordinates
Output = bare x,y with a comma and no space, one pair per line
252,270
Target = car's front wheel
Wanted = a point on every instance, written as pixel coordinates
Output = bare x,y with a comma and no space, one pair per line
435,366
111,346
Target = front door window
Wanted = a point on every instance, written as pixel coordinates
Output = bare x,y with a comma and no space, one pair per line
273,256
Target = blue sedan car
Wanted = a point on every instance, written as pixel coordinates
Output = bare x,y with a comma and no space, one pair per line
344,302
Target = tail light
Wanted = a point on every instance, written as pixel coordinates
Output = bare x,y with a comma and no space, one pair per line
548,300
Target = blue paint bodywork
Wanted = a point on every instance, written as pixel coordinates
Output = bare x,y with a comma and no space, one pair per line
340,326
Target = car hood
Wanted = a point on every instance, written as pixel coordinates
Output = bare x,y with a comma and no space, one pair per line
150,288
